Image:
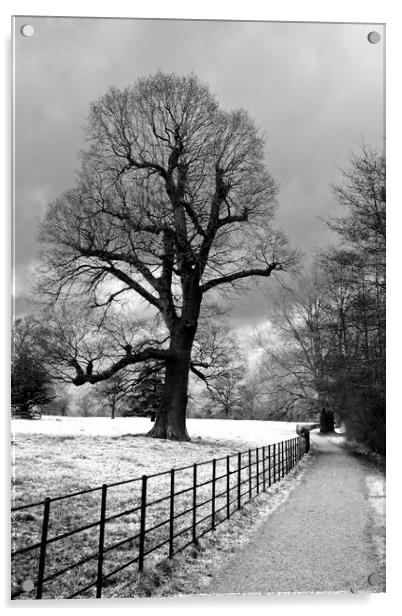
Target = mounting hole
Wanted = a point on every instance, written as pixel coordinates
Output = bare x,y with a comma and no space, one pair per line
27,585
374,37
374,579
27,30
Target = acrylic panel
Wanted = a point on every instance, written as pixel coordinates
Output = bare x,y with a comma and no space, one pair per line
198,344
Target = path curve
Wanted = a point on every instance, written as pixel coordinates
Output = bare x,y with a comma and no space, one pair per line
326,537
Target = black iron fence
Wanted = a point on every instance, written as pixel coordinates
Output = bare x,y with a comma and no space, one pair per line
56,558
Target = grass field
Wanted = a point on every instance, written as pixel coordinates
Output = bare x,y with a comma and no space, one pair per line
56,456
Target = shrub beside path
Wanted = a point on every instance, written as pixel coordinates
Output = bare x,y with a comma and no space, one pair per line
328,536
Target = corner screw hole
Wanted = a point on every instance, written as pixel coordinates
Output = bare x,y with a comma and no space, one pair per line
27,30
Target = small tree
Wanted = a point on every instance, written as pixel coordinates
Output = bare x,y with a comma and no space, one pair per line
88,405
251,395
146,392
113,392
60,404
224,391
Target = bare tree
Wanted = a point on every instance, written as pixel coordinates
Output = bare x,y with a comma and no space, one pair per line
252,391
298,348
113,391
223,368
87,404
173,203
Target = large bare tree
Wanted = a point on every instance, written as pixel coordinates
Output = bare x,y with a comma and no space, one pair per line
173,203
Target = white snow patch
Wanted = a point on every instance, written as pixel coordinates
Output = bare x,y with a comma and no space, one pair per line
255,433
376,493
375,483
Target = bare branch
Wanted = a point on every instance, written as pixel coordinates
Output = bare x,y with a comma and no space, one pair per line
229,278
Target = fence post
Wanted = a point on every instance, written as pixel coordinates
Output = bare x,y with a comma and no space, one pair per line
257,458
213,492
279,462
101,542
227,487
274,462
249,474
42,553
263,469
287,456
195,503
171,518
278,466
283,460
269,466
142,522
239,480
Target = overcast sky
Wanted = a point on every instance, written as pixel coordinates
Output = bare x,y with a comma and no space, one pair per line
316,90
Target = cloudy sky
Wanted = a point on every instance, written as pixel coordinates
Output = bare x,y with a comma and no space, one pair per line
316,90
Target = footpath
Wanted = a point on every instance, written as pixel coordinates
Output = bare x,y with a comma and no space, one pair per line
328,536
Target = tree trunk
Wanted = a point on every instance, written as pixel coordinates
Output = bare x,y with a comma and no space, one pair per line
171,419
326,421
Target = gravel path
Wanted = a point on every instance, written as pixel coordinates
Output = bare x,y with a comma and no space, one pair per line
328,536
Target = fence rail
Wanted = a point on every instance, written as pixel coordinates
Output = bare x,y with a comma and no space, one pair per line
191,501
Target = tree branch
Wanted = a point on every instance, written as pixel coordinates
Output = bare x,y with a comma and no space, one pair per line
274,266
129,360
198,373
133,284
108,256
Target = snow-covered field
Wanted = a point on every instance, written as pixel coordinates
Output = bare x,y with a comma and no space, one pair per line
57,455
246,433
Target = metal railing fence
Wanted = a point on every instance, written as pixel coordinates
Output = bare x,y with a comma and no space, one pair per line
190,502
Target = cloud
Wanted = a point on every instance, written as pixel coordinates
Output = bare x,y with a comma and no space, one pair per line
314,89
